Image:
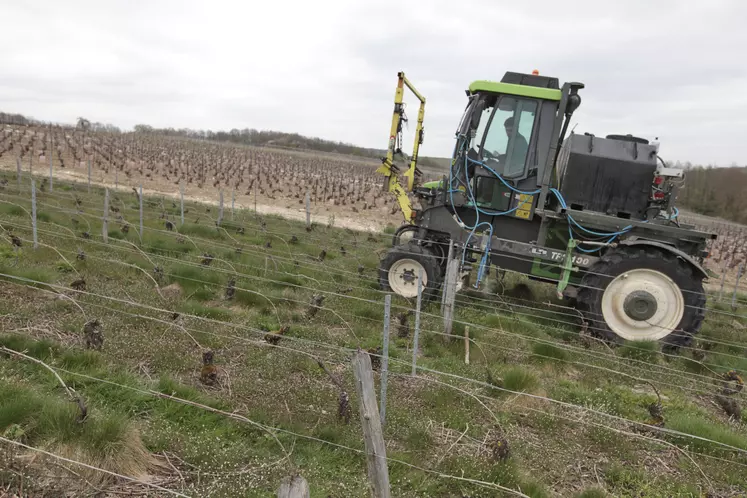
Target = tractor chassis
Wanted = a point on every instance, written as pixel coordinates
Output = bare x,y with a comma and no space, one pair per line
436,227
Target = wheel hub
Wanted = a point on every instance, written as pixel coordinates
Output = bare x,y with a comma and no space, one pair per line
409,277
640,305
403,277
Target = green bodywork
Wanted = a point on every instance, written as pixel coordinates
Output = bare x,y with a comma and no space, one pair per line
512,89
568,267
557,238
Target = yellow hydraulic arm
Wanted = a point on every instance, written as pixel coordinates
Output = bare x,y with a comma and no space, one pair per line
388,168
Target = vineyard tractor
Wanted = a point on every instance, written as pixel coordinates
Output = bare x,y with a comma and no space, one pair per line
595,216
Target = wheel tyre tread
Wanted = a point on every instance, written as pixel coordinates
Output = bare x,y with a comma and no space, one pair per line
589,298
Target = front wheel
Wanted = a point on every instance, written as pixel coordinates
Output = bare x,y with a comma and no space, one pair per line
403,265
643,294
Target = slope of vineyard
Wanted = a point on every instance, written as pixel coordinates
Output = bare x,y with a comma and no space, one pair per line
344,187
125,315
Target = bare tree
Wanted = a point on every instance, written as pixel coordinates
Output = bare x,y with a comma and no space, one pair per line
83,124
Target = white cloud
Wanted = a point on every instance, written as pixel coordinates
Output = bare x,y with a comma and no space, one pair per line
671,69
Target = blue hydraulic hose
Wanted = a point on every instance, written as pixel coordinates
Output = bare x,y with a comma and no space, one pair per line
473,229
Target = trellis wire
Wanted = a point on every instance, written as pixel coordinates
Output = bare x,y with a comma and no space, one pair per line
358,298
344,296
447,374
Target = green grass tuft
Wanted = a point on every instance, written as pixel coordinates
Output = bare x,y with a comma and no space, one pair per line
495,321
37,349
7,253
246,296
694,366
116,233
647,351
534,489
696,425
543,352
46,418
63,267
202,231
286,282
191,278
169,386
12,210
81,360
203,294
36,274
206,311
167,247
519,379
627,481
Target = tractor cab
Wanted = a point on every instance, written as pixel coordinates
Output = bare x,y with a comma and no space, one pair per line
509,137
509,127
506,118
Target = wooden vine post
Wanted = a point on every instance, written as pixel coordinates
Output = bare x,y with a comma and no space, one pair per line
294,487
378,473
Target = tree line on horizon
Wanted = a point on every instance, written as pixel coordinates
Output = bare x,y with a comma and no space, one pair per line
712,191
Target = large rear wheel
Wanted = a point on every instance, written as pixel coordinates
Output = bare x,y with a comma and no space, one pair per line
643,294
403,265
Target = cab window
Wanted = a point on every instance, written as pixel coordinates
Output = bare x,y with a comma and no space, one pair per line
503,134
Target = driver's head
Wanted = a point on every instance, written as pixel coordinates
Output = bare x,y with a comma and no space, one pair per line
509,125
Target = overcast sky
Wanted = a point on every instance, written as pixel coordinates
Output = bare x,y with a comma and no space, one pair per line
669,69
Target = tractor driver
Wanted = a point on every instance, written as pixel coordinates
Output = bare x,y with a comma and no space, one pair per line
520,146
514,149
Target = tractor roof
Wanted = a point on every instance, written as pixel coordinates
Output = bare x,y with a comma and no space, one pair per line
525,85
513,89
